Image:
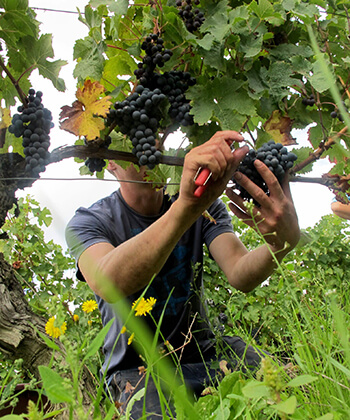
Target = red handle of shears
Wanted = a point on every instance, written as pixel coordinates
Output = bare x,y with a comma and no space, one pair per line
203,177
201,181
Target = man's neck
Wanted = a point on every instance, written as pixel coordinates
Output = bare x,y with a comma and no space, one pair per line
147,202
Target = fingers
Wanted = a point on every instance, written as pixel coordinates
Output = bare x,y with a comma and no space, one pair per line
276,217
228,135
276,191
216,154
238,208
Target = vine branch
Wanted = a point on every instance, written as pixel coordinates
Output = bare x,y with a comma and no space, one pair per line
14,81
318,152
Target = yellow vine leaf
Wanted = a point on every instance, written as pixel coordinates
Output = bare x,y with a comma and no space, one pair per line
5,118
85,116
279,128
208,216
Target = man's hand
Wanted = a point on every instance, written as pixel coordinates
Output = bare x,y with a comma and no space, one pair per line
217,156
276,217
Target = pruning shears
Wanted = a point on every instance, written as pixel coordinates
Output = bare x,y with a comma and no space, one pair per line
203,175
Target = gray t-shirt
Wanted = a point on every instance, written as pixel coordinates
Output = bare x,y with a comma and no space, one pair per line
112,220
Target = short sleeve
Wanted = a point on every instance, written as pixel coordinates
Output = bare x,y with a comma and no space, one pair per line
83,231
221,222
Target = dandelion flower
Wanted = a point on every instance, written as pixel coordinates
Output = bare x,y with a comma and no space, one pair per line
75,318
131,339
89,306
89,322
143,306
54,331
151,302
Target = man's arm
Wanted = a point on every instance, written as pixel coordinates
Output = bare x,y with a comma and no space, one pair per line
131,265
341,210
275,219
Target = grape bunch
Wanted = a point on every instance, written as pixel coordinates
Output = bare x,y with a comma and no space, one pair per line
174,84
310,100
275,156
138,117
33,122
336,114
193,18
97,164
156,55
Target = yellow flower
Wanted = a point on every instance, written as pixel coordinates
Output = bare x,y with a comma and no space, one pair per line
123,330
131,338
89,306
143,306
75,318
54,331
89,322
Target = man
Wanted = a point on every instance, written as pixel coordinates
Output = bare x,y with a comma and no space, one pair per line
340,209
139,232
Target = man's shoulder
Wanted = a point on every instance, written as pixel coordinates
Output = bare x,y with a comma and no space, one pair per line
102,212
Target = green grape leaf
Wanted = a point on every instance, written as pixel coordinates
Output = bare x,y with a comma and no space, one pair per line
93,18
37,53
278,76
318,78
217,97
216,22
338,153
306,11
120,142
251,45
120,64
91,59
175,29
16,23
303,153
288,5
206,42
238,15
263,10
174,173
97,3
229,119
119,7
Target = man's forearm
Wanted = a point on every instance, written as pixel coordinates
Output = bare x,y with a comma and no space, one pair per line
255,267
131,265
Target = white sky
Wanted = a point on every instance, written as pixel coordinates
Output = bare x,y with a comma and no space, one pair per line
62,198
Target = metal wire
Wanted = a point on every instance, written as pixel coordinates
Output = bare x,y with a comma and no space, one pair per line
88,179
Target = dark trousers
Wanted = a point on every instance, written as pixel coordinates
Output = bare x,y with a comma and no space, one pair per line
197,369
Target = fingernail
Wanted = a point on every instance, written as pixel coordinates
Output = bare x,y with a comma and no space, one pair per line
258,162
